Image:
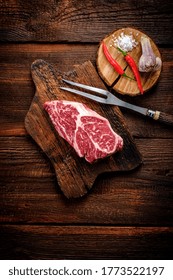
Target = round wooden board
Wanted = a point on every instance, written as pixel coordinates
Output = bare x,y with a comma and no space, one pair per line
124,85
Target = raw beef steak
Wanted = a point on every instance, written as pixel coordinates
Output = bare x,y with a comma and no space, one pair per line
86,131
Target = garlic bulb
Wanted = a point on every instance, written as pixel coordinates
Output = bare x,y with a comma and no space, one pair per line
148,61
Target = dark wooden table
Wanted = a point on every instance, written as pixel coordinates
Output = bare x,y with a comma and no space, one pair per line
126,215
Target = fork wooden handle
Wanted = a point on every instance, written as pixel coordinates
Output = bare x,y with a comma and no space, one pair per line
161,117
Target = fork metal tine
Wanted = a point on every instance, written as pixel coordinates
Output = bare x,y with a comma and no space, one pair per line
90,96
110,98
94,89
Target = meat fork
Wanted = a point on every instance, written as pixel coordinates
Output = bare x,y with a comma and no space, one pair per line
110,99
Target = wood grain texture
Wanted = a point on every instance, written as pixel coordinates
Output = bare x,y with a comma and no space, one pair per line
70,242
139,202
17,85
141,197
75,176
127,215
79,21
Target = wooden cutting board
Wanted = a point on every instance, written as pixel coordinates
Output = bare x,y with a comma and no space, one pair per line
75,176
122,84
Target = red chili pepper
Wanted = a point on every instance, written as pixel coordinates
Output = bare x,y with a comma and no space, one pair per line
134,68
113,62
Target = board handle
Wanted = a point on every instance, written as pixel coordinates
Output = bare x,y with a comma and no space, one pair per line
44,78
161,117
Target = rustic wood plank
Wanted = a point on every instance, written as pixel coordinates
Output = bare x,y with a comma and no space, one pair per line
70,242
17,153
66,20
16,83
143,196
29,193
117,202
